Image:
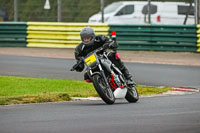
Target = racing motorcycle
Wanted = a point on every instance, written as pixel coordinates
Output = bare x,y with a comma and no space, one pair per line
107,79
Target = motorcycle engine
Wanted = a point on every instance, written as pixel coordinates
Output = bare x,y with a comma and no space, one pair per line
117,80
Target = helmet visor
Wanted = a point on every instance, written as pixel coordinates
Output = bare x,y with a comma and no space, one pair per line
87,39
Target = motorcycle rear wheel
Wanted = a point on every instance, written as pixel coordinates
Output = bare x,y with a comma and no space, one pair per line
105,93
132,95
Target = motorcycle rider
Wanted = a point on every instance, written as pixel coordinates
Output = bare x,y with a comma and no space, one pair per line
91,42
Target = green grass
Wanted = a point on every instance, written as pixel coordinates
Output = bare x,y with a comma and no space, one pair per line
14,90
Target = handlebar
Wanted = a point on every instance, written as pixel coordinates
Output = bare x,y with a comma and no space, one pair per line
76,65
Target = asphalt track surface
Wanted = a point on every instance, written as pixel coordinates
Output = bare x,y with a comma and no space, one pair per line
143,73
163,114
167,114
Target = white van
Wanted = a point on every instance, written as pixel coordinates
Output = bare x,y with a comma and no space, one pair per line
136,12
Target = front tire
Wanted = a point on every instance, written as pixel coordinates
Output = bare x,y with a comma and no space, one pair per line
105,93
132,95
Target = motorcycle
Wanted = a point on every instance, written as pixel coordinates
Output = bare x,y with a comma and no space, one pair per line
107,79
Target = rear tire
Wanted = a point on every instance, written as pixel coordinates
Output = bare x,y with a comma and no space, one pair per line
105,93
132,95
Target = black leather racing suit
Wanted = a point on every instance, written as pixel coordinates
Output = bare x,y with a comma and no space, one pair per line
100,40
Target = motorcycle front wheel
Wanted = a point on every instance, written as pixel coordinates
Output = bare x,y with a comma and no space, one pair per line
132,95
105,93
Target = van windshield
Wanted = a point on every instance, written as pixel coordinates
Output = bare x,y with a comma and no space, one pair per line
112,7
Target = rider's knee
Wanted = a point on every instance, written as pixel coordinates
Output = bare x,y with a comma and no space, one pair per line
117,56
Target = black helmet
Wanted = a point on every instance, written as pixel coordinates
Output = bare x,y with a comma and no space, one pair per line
87,32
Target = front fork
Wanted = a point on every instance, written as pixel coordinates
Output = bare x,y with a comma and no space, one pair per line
101,73
104,76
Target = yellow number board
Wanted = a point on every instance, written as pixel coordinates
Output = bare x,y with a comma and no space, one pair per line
90,59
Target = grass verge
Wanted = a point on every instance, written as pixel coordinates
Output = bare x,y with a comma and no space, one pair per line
19,90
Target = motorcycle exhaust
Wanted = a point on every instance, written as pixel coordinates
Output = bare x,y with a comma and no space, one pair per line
120,93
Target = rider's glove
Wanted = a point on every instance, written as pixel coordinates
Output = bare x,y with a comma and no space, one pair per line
79,69
79,66
113,45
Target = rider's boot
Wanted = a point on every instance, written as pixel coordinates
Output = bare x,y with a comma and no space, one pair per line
114,57
128,76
